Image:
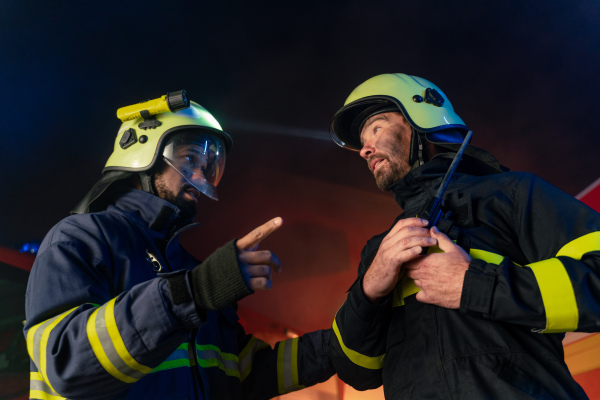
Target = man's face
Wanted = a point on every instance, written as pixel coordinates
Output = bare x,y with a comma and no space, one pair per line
170,185
385,140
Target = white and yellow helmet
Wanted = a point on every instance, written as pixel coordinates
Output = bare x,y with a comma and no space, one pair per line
150,132
423,104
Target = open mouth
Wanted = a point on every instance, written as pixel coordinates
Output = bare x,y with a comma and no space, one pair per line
375,163
191,192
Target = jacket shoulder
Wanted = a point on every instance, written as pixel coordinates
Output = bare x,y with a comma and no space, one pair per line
81,225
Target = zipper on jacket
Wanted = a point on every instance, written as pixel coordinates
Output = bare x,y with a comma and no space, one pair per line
194,367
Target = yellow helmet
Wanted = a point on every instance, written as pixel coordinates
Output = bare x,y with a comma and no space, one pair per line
424,105
140,141
149,133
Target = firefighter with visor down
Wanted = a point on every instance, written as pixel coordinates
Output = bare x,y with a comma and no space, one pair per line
117,309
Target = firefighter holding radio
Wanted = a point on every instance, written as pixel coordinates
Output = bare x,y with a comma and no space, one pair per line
116,308
511,266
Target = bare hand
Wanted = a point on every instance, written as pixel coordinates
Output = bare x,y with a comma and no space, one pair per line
258,265
440,276
404,242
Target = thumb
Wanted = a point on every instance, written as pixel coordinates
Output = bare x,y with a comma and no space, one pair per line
444,242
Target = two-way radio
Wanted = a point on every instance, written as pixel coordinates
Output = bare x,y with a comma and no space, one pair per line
432,211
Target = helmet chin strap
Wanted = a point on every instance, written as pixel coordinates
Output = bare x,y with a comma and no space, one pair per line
416,149
146,182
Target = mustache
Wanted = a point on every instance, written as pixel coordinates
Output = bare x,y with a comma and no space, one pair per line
378,156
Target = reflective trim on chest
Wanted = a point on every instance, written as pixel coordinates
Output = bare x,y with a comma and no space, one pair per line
406,287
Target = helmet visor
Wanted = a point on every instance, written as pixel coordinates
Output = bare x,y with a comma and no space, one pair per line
197,157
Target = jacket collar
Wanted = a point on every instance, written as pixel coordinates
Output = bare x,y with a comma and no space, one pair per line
420,183
158,214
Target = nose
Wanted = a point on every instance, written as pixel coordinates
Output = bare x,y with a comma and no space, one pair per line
366,150
197,173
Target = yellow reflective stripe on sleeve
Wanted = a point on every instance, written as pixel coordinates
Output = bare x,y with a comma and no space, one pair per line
37,343
487,256
247,355
287,366
109,348
558,296
38,395
38,389
578,247
117,340
211,356
562,314
357,358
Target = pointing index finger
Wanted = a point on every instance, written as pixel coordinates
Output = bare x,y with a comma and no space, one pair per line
251,240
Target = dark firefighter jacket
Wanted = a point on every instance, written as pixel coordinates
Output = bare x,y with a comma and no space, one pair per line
534,274
101,323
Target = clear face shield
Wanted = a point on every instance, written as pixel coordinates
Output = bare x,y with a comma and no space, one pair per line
199,158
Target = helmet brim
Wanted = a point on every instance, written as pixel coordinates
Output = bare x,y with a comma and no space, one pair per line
347,123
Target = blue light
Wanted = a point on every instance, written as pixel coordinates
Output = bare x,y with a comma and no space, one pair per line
31,248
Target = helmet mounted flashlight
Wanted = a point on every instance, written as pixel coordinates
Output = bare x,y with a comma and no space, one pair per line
172,101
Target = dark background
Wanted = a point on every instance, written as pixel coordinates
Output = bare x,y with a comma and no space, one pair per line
523,76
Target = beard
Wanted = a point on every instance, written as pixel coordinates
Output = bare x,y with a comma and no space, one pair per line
396,167
187,207
390,174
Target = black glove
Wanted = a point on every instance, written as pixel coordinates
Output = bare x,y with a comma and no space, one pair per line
216,283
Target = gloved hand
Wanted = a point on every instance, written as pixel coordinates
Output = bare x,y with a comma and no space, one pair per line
232,272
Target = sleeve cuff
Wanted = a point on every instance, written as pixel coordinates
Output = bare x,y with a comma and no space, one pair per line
219,282
362,307
176,288
478,289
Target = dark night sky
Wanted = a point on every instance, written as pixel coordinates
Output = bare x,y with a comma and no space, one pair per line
523,75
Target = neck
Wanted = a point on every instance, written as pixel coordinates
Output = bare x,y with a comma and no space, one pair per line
431,150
